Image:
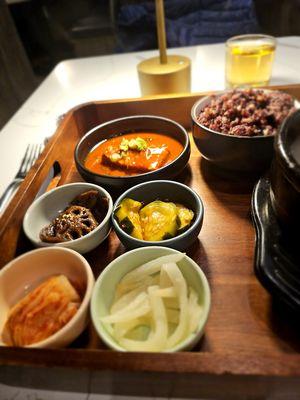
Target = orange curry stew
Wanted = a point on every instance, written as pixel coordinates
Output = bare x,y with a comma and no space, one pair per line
132,154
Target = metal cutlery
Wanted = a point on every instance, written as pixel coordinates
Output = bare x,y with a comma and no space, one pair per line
31,154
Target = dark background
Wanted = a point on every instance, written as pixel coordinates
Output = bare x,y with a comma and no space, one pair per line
53,30
37,34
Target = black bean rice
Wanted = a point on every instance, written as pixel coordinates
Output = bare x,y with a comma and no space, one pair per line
247,112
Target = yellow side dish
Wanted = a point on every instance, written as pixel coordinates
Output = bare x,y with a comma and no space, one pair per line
156,221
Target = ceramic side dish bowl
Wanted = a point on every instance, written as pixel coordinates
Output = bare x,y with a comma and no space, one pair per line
233,153
138,123
27,271
165,191
104,290
45,208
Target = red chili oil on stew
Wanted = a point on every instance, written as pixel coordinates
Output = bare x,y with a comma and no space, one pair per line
161,150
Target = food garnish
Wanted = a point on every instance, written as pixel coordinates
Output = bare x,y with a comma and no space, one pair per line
42,312
138,144
133,153
82,216
154,309
158,220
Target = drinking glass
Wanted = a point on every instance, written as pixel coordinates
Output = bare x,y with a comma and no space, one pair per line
249,60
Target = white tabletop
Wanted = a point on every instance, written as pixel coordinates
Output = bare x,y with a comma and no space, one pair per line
109,77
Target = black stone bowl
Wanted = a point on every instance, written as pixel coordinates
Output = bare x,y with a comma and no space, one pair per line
285,176
165,191
232,153
137,123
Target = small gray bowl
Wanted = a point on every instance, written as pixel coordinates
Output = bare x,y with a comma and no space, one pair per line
163,190
136,123
232,153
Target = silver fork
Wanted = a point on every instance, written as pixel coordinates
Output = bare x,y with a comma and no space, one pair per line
31,154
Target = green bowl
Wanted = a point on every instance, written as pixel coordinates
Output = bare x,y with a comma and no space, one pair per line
104,290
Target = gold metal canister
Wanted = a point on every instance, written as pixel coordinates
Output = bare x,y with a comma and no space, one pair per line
171,77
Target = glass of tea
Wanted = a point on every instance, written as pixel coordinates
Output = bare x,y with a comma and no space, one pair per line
249,60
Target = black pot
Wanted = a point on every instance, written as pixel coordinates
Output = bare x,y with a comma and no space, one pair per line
285,174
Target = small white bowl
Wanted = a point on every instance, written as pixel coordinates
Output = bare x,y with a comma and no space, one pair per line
104,291
43,210
24,273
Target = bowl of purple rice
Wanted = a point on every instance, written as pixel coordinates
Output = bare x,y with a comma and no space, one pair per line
234,130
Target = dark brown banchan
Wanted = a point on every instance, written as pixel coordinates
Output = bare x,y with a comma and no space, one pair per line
82,215
250,346
132,154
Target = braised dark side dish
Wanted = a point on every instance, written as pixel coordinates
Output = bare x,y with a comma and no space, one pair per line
82,216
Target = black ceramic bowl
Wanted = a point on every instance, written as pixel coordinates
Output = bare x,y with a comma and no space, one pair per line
163,190
233,153
138,123
285,174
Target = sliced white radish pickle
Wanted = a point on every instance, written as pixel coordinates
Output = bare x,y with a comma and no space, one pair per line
154,309
151,267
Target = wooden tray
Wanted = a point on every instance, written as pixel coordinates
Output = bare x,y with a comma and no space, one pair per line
248,335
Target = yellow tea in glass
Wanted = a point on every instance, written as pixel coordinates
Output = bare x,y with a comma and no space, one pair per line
249,60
